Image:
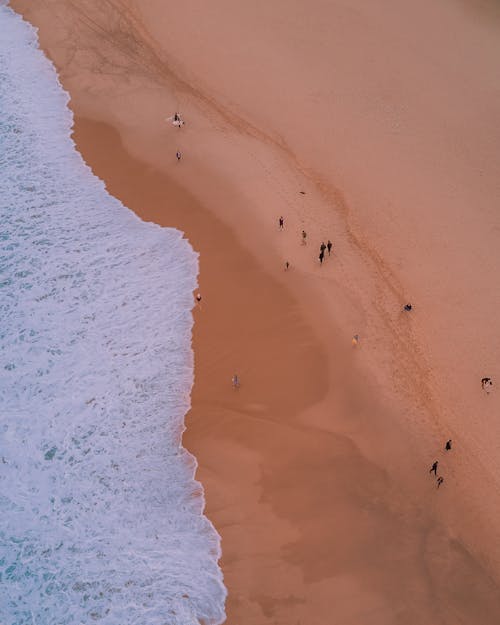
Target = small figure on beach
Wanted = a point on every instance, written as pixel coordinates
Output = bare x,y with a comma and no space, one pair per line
407,307
321,256
440,480
198,297
287,265
304,237
322,248
178,121
448,445
235,381
355,340
178,155
486,383
281,223
434,467
329,245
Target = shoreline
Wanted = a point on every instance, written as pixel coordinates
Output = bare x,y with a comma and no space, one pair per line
274,511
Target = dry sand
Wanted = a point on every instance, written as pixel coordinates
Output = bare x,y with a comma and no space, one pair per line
386,116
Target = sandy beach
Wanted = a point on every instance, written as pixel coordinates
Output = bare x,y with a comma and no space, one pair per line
376,126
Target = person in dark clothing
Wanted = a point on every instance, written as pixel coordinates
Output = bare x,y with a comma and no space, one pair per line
281,223
304,237
329,246
321,256
440,480
322,248
407,307
434,467
178,155
448,445
287,265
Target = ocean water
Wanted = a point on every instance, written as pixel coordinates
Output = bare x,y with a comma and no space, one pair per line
100,517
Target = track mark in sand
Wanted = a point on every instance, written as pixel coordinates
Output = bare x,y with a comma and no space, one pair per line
124,31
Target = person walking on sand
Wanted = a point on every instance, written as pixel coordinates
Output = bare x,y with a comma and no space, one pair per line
329,246
448,445
322,248
407,307
321,256
304,237
235,380
281,223
287,265
178,155
198,298
440,480
434,467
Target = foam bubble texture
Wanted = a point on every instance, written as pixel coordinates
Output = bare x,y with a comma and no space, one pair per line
101,519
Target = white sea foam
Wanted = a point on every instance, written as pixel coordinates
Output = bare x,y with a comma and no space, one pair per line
100,518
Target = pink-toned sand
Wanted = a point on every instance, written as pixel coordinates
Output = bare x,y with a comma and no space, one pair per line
387,116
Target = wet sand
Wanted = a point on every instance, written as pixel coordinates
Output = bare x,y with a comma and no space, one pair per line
315,470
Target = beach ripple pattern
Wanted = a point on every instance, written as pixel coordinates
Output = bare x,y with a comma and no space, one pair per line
101,520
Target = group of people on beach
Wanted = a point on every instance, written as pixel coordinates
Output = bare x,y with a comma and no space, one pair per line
323,248
486,385
486,382
435,464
